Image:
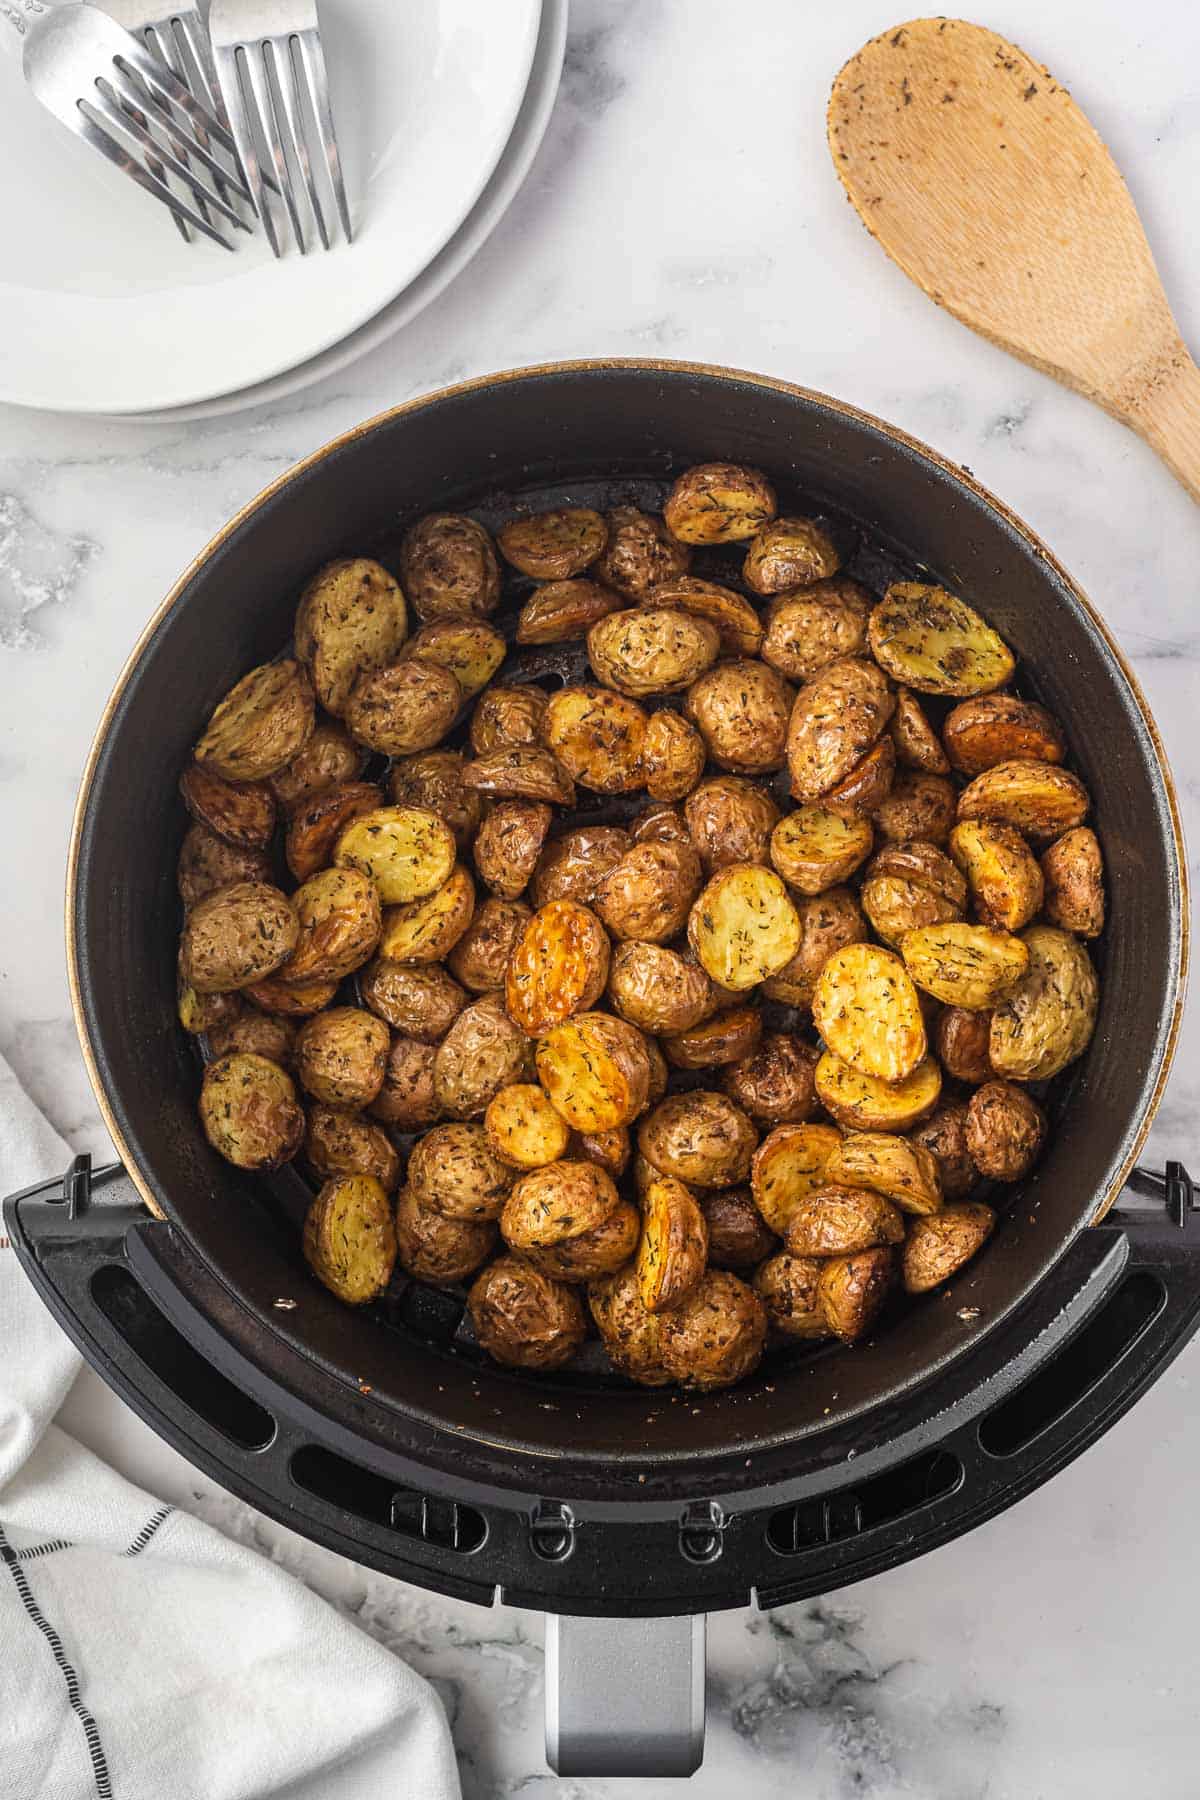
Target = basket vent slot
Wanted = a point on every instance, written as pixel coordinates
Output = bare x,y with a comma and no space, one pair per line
879,1501
426,1517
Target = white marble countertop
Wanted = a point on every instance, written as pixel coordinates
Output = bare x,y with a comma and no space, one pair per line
683,204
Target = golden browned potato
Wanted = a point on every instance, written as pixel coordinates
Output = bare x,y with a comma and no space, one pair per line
480,958
641,553
728,1037
1005,881
651,650
865,1007
961,1039
339,1143
553,546
453,1170
934,642
610,1150
673,1246
869,782
521,773
1073,871
340,921
482,1052
828,921
209,1013
433,779
262,723
569,1221
523,1129
207,863
559,966
407,852
471,650
841,1221
562,611
425,931
715,1336
407,1099
719,503
673,756
523,1318
917,743
919,807
351,618
649,893
1048,1018
249,1112
1005,1130
815,848
774,1083
937,1247
851,1291
255,1032
418,1002
1000,728
908,885
660,824
738,1235
404,707
291,1001
730,820
1036,798
631,1336
787,1287
737,623
341,1056
449,569
838,714
508,718
596,1070
744,928
241,812
741,710
572,866
656,989
864,1103
807,631
944,1135
350,1238
789,553
964,965
509,843
896,1167
442,1251
598,737
700,1138
329,758
237,936
318,822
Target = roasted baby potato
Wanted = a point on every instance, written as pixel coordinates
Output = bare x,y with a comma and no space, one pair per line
523,1318
425,931
341,1056
944,1135
864,1103
407,1099
937,1247
249,1112
340,920
823,624
596,1070
572,866
449,569
508,718
909,885
719,503
559,966
730,820
1036,798
1073,871
609,1150
482,1052
442,1251
350,1238
774,1083
236,936
961,1039
523,1129
736,621
1005,881
433,779
339,1143
744,928
631,1336
715,1336
523,773
918,808
964,965
641,553
598,737
789,553
562,611
917,743
1047,1019
673,1246
869,782
554,546
851,1291
1000,728
480,958
404,707
815,848
727,1037
329,758
841,1221
660,824
741,710
828,921
651,650
787,1287
934,642
319,821
262,723
570,1222
509,843
656,989
453,1170
207,863
673,756
407,852
241,812
1005,1130
701,1138
421,1003
351,618
290,1001
471,650
208,1013
903,1171
865,1007
738,1235
838,714
648,894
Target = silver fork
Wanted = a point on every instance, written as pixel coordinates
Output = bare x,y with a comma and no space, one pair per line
270,64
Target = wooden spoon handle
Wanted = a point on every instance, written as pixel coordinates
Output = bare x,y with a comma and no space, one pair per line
1166,412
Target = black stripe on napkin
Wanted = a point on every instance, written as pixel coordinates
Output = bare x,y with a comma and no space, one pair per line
148,1530
46,1549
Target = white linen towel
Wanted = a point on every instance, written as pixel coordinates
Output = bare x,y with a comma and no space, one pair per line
143,1656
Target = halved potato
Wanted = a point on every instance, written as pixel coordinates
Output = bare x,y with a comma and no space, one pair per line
807,630
964,965
291,1000
339,1143
407,852
741,710
340,921
329,758
207,862
662,824
729,820
841,1221
866,1009
1047,1020
838,715
523,1318
449,569
571,867
524,1129
869,782
999,728
241,812
471,650
648,894
351,618
631,1335
426,931
350,1238
918,806
651,650
656,989
917,743
318,822
788,1164
743,928
341,1056
864,1103
1006,883
206,1013
789,553
851,1291
1005,1130
787,1286
237,936
558,967
944,1135
520,773
610,1150
909,885
719,503
509,843
700,1138
774,1082
905,1172
418,1002
937,1247
827,922
596,1070
598,737
570,1222
408,1100
641,553
561,611
553,546
715,1336
673,1247
249,1111
934,642
482,1052
727,1037
405,707
961,1039
815,848
505,718
1037,798
262,723
480,958
738,1235
673,756
736,621
433,779
442,1251
454,1171
1073,871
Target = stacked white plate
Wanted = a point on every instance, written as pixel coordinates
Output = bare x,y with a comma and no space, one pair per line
440,108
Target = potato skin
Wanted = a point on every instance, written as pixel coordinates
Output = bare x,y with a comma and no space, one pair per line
521,773
828,921
998,728
1073,871
404,707
640,553
1047,1020
255,1031
837,716
249,1112
673,756
806,631
572,866
407,1099
787,1287
509,843
715,1336
341,1056
442,1251
651,650
903,1171
407,852
508,717
350,1238
815,847
523,1318
1005,1130
743,927
351,618
424,931
851,1291
774,1083
562,611
207,863
421,1003
660,824
241,812
631,1336
482,1052
329,758
656,989
558,966
864,1103
730,820
865,1007
701,1138
237,936
1006,883
454,1171
719,503
841,1221
433,779
944,1136
964,965
479,960
918,807
789,553
448,567
869,782
291,1000
736,621
262,723
598,737
727,1037
738,1235
961,1040
609,1150
741,710
648,894
909,885
596,1070
340,921
917,743
934,642
339,1143
471,650
523,1129
554,545
673,1247
937,1247
569,1221
318,822
1038,799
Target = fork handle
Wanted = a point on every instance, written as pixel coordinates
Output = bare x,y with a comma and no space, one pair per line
21,14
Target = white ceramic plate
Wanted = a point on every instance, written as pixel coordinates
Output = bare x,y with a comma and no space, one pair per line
103,308
482,220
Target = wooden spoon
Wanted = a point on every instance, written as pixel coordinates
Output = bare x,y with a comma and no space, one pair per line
984,181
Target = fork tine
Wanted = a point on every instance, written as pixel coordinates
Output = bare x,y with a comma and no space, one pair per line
122,118
229,72
166,85
156,169
264,99
91,133
198,47
313,59
185,145
160,41
289,92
